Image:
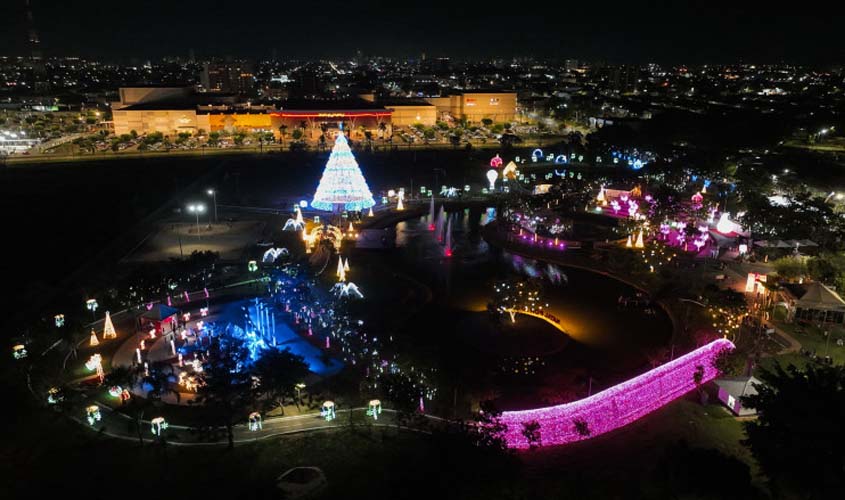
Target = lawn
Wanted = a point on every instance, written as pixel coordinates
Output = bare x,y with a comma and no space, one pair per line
812,338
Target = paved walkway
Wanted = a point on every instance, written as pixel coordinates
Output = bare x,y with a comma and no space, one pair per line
120,426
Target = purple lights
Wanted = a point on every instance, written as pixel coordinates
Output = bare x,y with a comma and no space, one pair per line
619,405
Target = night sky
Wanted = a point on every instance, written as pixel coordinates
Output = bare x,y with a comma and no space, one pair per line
639,31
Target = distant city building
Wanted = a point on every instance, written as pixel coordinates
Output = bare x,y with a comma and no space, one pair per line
475,106
233,78
174,109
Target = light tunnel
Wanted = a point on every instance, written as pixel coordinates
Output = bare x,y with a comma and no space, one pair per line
617,406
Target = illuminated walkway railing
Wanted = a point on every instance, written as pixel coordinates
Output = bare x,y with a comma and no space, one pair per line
619,405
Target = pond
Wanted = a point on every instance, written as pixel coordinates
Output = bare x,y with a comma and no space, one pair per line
521,362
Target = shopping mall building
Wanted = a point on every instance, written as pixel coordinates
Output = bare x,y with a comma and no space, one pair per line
171,110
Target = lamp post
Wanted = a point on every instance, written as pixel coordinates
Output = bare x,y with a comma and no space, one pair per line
213,195
197,209
299,388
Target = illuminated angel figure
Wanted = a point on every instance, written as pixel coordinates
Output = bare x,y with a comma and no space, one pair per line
272,254
295,224
347,290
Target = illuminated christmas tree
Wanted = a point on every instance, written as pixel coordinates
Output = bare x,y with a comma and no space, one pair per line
342,186
108,328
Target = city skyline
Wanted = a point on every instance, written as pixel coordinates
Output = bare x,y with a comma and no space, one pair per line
694,33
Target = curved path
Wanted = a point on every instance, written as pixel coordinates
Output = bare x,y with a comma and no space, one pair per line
579,420
120,426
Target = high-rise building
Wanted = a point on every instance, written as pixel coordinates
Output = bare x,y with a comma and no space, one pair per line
230,77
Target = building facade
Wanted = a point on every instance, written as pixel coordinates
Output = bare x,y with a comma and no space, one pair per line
173,110
476,106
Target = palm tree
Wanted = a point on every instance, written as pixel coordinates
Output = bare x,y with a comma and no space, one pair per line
283,131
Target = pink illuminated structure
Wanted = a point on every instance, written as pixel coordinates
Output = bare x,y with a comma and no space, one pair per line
619,405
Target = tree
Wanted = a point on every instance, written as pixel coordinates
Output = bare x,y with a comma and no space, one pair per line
227,388
829,268
679,474
486,122
582,427
790,268
403,393
278,372
297,134
122,376
158,383
797,437
487,429
508,140
531,431
283,132
517,295
698,379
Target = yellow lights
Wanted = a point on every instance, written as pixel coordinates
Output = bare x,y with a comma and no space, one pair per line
629,243
727,322
639,243
754,283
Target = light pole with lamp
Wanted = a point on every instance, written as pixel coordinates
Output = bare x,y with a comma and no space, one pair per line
197,209
213,194
299,388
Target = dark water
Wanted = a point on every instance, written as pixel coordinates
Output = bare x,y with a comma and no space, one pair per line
59,217
607,344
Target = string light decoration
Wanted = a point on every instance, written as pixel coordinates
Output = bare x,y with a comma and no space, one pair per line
639,243
92,414
619,405
726,320
342,184
108,328
327,411
158,425
374,408
93,342
255,422
513,297
659,254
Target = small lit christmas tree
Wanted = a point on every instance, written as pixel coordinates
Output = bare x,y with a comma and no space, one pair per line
342,186
108,328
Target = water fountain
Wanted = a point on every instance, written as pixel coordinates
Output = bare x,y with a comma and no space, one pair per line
447,250
438,226
431,215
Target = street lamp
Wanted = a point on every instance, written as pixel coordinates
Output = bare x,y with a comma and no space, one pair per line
197,209
213,194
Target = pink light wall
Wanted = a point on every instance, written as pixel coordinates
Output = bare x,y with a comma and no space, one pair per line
619,405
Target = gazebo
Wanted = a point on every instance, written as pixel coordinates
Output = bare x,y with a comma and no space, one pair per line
161,317
820,304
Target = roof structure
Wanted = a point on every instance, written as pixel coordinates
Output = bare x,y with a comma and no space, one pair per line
330,108
820,297
160,312
738,386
